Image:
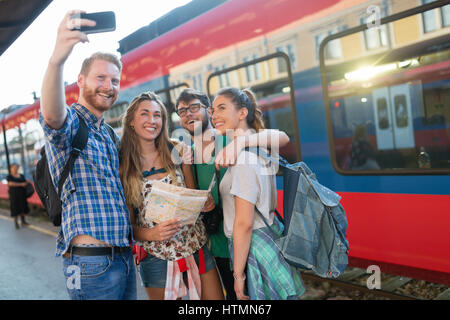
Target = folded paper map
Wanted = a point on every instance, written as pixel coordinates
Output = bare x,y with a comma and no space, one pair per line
167,201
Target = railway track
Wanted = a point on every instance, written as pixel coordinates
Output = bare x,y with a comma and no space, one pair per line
353,284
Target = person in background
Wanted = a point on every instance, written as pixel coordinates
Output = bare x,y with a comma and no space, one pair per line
194,109
95,236
17,197
146,157
248,186
363,154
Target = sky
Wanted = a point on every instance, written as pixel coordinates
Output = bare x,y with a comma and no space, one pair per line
23,65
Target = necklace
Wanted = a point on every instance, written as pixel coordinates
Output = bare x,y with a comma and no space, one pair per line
153,169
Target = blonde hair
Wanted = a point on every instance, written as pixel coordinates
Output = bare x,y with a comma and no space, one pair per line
130,168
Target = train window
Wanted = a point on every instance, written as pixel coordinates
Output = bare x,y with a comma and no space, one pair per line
388,111
274,91
383,120
24,143
401,116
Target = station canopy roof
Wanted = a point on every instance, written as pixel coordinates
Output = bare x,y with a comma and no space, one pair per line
15,17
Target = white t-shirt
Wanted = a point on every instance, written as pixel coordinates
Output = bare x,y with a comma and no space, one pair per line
252,179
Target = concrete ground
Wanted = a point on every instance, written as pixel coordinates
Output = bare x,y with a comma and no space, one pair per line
29,269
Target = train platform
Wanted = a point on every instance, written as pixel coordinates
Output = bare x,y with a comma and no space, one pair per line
36,222
29,268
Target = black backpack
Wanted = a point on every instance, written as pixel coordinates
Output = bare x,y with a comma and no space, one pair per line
51,198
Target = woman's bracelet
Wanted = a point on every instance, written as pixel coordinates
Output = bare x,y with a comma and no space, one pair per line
237,277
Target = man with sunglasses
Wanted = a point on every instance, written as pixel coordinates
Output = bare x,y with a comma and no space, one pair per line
211,151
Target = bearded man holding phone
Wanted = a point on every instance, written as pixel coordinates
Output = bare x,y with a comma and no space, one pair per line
95,236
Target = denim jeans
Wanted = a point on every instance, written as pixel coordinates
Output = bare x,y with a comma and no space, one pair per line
101,277
153,271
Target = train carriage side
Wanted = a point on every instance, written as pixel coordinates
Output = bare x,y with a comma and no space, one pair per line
388,129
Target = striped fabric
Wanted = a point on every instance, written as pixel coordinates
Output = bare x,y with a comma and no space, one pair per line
175,287
269,276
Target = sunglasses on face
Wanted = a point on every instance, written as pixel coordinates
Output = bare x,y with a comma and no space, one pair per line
193,108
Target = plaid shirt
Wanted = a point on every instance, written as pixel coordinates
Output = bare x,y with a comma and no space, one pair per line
92,196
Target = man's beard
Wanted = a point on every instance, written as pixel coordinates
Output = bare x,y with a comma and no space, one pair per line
91,97
205,123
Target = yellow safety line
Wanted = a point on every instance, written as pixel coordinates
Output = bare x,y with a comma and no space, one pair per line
30,226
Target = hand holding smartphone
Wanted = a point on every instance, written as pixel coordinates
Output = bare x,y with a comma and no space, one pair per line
105,21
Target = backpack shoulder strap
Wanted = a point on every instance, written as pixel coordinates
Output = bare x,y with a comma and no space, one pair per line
267,224
262,153
265,155
112,134
78,144
81,137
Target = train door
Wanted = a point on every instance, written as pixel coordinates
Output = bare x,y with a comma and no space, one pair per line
393,117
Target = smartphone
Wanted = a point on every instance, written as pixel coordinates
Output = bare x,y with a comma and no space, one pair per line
106,21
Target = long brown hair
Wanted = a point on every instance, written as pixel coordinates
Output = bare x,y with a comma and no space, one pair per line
245,99
130,168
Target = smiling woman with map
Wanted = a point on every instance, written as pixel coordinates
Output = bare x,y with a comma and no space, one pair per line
170,238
